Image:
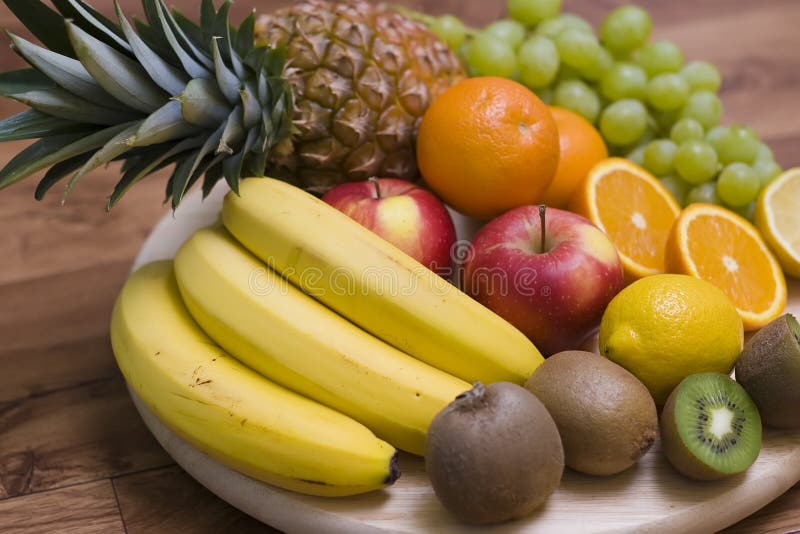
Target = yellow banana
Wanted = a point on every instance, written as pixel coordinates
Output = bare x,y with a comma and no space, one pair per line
290,338
374,284
230,412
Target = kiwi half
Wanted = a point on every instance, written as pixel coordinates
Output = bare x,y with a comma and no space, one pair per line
710,427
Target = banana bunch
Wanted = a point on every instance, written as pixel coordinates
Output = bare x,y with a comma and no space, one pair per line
341,346
287,336
374,284
230,412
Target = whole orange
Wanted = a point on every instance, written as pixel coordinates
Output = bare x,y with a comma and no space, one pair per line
487,145
581,147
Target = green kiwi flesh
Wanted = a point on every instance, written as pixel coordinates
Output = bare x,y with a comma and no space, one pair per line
769,370
710,428
493,454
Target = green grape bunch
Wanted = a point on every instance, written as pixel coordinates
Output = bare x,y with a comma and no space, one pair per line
648,102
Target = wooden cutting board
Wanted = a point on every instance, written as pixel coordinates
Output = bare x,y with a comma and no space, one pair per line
651,497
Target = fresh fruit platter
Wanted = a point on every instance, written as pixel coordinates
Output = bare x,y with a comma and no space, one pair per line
434,276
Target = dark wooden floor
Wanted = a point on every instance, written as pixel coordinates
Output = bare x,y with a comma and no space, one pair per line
74,455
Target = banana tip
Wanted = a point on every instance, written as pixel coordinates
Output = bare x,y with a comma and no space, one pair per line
394,470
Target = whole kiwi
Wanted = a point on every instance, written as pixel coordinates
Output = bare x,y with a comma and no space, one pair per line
769,370
493,454
606,417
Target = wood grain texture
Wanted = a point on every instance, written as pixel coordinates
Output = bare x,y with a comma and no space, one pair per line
82,509
77,434
65,417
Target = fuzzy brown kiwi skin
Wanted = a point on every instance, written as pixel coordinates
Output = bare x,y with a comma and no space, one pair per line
494,454
769,370
606,417
676,452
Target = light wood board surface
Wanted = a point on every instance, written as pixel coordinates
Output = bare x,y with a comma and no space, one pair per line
651,497
74,454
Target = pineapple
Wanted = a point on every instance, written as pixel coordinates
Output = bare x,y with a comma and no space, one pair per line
317,93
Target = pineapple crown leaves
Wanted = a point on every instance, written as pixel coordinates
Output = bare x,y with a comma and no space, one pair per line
151,94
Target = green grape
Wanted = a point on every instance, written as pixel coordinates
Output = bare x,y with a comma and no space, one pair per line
462,52
545,94
766,171
624,80
748,211
538,62
659,156
509,31
450,30
490,57
678,188
704,107
577,49
661,56
665,119
625,29
715,134
737,185
552,27
764,153
739,144
602,63
576,96
532,12
649,135
686,129
702,76
575,22
696,162
667,91
706,192
623,122
565,72
636,156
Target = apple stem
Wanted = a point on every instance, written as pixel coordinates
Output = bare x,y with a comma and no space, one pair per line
542,210
374,181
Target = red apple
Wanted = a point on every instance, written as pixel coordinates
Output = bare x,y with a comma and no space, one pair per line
553,285
406,215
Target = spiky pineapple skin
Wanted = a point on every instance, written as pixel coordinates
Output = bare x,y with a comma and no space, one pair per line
362,78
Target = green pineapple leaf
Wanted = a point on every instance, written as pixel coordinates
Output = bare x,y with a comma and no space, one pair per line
65,71
245,35
32,124
122,77
92,22
44,23
193,32
149,94
170,79
59,171
21,81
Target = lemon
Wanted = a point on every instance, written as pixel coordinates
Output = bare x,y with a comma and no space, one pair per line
665,327
778,219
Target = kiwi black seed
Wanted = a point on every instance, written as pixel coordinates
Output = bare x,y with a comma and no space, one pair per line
710,427
769,370
493,454
605,415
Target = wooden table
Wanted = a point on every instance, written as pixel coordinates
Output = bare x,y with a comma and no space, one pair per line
74,454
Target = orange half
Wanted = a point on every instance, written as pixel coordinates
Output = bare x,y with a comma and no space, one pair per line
721,247
632,207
